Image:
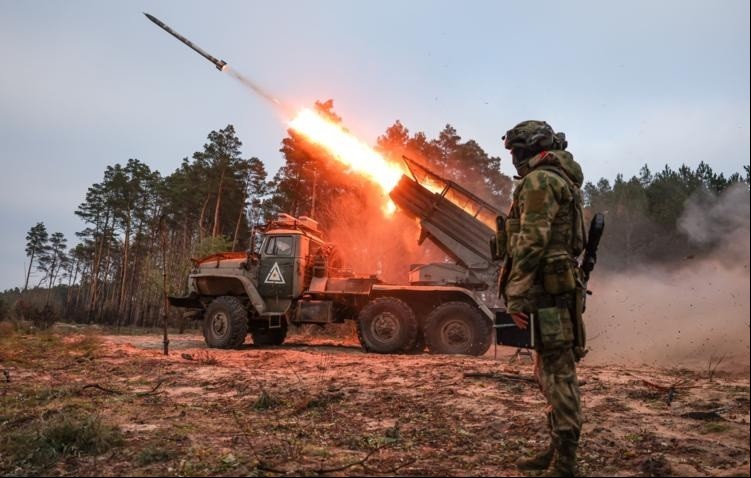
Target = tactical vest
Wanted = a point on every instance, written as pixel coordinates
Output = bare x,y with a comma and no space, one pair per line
567,232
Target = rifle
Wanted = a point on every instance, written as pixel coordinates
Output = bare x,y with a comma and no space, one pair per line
498,253
590,250
587,266
498,243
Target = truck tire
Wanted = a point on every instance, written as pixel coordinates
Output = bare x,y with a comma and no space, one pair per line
457,328
263,335
225,323
387,325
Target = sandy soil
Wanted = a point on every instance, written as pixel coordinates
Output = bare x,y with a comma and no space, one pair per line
323,407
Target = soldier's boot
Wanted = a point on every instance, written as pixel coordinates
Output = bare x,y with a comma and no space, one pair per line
564,463
538,461
541,460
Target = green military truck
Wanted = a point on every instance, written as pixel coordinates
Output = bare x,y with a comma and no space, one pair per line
296,278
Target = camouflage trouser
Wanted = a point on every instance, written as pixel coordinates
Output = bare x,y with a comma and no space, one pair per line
556,373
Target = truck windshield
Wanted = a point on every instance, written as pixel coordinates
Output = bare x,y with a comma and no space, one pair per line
279,246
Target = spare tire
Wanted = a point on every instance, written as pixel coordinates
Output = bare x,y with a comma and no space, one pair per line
457,328
387,325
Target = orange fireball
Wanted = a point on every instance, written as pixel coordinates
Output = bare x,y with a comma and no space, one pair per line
344,147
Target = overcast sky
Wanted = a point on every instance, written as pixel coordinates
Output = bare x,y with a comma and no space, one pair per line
89,84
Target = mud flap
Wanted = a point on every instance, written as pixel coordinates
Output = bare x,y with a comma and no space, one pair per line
187,302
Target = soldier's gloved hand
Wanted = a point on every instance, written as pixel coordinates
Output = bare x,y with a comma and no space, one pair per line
520,319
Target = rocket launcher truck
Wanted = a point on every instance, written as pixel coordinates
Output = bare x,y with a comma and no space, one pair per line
296,278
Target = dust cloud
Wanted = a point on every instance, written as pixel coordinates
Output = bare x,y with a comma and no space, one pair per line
683,314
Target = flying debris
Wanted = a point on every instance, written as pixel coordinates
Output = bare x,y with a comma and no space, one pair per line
221,65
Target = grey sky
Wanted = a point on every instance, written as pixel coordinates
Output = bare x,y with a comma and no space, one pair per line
89,84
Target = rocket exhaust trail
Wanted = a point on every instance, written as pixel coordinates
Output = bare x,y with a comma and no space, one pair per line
255,88
221,65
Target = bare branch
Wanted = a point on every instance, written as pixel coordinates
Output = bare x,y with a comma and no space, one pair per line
501,376
103,389
96,386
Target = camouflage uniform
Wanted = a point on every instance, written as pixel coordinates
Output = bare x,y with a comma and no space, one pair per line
544,235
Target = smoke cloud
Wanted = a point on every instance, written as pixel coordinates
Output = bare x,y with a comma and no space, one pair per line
681,314
720,222
372,243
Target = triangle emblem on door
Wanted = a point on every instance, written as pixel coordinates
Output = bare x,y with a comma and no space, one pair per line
275,276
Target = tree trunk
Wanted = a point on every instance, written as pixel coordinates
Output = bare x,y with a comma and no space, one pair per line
124,276
237,226
53,266
95,269
28,273
104,290
201,218
71,281
217,210
128,307
77,305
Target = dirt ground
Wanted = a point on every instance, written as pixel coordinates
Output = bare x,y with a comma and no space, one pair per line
89,404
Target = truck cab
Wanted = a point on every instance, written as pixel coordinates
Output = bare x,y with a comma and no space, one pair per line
287,253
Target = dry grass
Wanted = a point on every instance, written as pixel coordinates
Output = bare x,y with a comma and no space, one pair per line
306,409
69,433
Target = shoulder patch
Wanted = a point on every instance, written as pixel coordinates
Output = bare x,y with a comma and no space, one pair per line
535,201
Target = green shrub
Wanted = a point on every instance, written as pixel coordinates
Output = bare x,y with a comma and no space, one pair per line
67,433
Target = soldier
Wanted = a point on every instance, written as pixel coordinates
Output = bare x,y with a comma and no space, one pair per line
540,278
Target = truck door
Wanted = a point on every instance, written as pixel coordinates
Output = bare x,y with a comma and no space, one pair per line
276,271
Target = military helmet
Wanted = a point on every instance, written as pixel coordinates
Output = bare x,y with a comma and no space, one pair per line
560,142
531,135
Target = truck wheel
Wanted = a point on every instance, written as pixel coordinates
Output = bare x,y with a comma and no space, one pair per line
387,325
457,328
225,324
265,336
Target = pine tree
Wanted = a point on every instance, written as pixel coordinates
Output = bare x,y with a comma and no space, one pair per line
36,244
53,260
225,170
